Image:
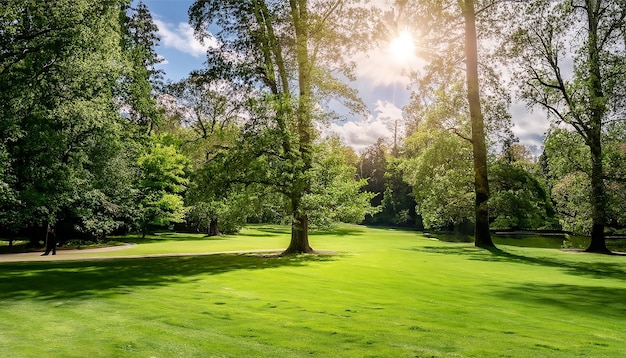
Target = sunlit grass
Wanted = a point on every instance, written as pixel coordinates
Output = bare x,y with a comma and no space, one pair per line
384,293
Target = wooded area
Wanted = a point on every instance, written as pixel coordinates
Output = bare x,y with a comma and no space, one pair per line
94,141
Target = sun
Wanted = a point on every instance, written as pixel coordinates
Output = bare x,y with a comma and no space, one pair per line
402,47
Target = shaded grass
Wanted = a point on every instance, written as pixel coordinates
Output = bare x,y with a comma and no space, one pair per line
546,242
387,293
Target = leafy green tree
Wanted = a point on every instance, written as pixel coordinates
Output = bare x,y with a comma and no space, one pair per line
230,211
372,166
336,195
568,168
519,199
207,113
163,180
284,51
58,74
450,30
587,97
398,205
385,179
214,199
438,169
141,77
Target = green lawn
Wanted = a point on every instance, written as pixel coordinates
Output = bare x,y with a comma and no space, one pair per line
385,293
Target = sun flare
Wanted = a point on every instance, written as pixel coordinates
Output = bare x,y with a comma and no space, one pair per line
402,47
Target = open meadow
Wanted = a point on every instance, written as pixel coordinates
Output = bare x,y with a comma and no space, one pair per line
373,293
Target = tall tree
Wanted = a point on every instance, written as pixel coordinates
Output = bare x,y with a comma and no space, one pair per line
141,77
437,164
207,114
482,235
64,75
288,50
59,70
587,95
442,25
568,164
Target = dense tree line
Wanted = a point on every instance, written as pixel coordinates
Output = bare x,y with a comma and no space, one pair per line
94,143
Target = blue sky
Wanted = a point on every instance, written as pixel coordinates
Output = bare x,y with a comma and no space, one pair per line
381,81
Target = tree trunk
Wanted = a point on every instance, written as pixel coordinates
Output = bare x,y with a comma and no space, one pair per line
598,198
300,222
594,132
213,229
482,236
299,235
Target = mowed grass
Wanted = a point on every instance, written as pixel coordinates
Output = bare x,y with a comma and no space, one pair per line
384,293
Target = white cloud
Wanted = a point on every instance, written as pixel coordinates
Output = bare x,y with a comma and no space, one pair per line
181,38
163,61
363,133
529,126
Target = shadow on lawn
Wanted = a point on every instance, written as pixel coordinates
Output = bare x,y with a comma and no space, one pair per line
286,230
596,300
589,269
86,279
166,236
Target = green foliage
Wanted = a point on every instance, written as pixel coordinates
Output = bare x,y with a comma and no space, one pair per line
59,71
438,168
67,71
140,78
519,200
163,180
568,165
588,96
572,197
384,179
372,165
281,53
335,195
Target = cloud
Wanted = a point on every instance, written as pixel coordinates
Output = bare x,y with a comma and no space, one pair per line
363,133
529,126
163,60
181,38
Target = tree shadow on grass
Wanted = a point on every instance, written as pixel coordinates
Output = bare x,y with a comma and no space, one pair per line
166,236
595,300
337,231
286,230
589,269
274,231
87,279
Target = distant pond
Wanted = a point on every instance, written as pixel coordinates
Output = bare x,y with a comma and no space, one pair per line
540,240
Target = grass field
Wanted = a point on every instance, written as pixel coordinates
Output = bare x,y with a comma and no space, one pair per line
384,293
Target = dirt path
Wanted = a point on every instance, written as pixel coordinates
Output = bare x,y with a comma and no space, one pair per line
61,254
84,254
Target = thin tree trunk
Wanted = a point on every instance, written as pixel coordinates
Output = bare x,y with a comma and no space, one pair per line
482,236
